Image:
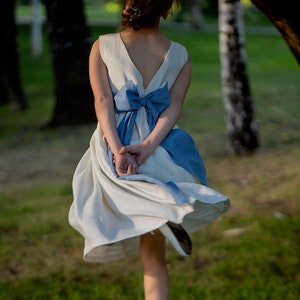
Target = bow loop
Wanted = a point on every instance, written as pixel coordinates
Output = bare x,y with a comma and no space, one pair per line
127,99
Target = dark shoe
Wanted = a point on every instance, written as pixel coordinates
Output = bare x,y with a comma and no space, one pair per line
178,237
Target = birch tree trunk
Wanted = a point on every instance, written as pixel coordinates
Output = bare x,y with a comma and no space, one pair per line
242,132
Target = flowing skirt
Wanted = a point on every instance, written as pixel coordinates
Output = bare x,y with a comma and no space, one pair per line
112,212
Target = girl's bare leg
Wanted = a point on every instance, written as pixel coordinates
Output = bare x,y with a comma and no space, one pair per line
156,278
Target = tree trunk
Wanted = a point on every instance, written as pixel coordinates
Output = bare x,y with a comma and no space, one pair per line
241,125
285,16
196,14
70,47
10,82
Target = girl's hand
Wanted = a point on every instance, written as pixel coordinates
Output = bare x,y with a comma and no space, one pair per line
125,164
140,152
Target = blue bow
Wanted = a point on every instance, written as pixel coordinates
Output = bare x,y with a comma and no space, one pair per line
128,100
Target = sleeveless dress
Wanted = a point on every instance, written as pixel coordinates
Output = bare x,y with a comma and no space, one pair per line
112,212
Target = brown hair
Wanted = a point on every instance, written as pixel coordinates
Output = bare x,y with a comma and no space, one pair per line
137,14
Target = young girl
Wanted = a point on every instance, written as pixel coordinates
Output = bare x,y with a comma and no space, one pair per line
142,180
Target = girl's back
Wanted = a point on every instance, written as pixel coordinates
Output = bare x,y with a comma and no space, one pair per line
147,49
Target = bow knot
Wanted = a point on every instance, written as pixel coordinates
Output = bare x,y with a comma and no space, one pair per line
129,101
143,101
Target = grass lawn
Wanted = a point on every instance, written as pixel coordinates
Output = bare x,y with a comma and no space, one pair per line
251,253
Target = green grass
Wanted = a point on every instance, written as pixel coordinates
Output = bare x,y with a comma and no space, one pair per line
41,255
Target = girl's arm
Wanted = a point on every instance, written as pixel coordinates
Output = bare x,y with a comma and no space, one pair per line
104,107
166,120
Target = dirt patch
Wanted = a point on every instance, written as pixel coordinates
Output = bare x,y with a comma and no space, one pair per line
43,157
266,182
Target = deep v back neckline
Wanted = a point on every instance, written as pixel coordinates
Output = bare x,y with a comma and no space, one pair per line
138,71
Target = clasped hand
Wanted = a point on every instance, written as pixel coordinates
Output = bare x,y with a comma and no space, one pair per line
130,158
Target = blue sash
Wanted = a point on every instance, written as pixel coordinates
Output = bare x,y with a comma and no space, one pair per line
178,143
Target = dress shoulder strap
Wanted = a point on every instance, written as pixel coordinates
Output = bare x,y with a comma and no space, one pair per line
108,44
119,68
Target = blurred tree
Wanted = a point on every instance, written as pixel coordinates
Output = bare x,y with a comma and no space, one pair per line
285,16
10,82
241,125
210,7
70,46
197,18
193,8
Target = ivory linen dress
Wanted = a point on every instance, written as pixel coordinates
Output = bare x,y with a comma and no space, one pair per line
112,212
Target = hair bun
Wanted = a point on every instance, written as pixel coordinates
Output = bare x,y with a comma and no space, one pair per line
138,14
131,16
